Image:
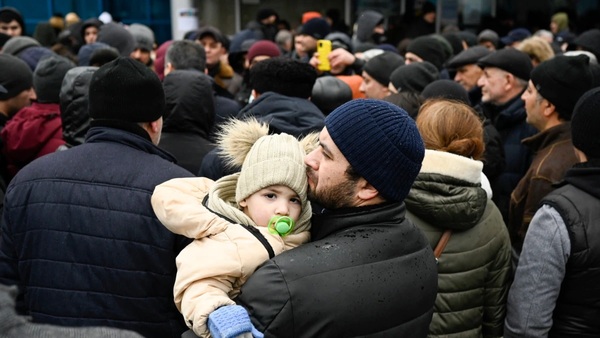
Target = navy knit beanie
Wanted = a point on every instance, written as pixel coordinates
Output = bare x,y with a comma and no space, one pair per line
381,143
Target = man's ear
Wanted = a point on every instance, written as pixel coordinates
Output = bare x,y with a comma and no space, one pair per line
155,126
365,191
168,68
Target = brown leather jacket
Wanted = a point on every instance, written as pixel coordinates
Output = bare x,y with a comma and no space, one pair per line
554,155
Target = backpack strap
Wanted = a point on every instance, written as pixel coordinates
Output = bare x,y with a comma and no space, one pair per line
254,231
439,248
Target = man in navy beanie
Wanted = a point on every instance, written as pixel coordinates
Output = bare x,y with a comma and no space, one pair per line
312,31
368,270
101,257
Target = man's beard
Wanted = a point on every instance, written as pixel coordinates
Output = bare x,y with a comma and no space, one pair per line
335,197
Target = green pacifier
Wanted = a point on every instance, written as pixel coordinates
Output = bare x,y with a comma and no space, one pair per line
281,225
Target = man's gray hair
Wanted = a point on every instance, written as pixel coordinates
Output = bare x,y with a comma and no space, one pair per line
186,54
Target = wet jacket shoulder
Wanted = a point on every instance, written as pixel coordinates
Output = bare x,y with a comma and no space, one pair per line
88,209
33,132
355,278
475,266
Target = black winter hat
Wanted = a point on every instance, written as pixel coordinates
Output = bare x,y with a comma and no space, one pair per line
381,66
329,92
284,76
48,77
562,80
126,90
446,89
429,49
509,59
468,57
414,77
585,124
15,76
590,41
317,28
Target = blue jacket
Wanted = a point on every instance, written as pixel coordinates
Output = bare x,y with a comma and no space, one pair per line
80,238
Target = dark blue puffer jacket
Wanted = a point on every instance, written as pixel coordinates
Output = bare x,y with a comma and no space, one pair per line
509,120
81,239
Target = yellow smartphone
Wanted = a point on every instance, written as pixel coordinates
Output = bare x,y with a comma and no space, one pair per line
324,48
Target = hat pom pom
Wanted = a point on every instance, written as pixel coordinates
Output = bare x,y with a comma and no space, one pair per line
238,137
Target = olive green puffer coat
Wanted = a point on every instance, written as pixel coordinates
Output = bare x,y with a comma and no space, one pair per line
475,266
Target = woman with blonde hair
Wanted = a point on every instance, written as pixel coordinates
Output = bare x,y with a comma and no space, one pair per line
461,222
538,49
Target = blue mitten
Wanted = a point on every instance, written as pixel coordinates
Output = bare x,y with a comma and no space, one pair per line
231,321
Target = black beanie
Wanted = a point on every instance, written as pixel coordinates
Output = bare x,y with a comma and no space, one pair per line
15,76
590,41
284,76
414,77
446,89
126,90
48,77
317,28
381,66
562,80
429,49
585,124
510,60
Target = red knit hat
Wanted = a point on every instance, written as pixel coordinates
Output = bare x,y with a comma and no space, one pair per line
263,47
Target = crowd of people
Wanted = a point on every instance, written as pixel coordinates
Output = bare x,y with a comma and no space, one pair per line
442,185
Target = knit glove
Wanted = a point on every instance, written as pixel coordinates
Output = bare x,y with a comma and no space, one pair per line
231,321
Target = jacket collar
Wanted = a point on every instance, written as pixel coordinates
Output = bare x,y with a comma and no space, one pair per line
585,176
103,134
549,136
333,221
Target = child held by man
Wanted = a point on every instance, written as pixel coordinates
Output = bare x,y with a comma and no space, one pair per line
238,221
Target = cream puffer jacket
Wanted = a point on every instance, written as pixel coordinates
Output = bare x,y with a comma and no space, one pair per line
211,269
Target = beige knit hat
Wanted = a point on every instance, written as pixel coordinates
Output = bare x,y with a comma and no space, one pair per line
265,159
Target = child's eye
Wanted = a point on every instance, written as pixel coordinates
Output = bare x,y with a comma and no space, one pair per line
295,200
270,195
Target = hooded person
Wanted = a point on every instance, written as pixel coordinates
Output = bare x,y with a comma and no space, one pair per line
74,105
11,22
89,30
36,130
144,43
228,219
189,117
369,30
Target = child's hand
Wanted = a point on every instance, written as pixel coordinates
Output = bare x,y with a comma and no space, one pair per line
231,321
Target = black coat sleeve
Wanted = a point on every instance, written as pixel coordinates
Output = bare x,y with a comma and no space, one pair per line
266,297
